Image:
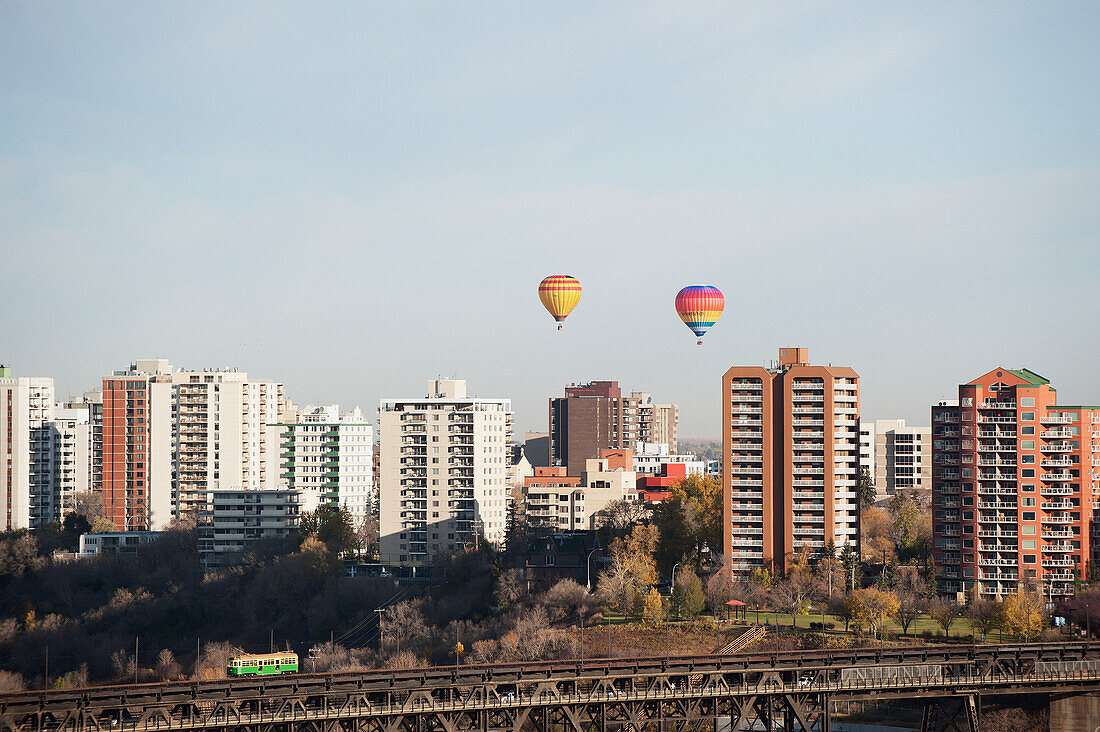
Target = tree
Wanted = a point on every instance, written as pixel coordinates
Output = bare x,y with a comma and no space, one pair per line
910,606
689,520
877,530
828,578
566,599
945,612
1023,615
101,525
632,570
653,611
840,607
871,607
687,593
865,488
331,525
984,615
621,516
366,535
792,593
167,669
509,588
404,625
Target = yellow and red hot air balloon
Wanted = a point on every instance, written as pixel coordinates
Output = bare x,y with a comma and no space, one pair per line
559,295
699,307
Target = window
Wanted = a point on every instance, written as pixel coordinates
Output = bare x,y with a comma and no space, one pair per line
1027,401
1029,559
1027,487
968,543
1027,473
1029,516
1027,530
1027,416
1028,544
1029,500
1027,459
1027,444
1027,429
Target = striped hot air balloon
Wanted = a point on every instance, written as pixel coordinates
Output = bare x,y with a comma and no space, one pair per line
559,295
699,307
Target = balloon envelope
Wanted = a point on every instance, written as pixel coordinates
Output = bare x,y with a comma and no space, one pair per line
699,307
559,295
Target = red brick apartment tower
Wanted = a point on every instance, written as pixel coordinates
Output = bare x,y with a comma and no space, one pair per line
1012,487
790,437
131,480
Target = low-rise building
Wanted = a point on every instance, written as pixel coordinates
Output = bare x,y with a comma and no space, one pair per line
232,520
118,543
568,503
649,457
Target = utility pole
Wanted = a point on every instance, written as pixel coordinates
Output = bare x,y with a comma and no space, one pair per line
135,659
197,654
271,645
47,667
381,636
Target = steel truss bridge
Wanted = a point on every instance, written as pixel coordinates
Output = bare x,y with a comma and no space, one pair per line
753,691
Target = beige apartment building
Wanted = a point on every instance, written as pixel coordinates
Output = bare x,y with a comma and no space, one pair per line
569,503
443,473
903,457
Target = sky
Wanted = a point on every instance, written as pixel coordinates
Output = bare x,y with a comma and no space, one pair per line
353,198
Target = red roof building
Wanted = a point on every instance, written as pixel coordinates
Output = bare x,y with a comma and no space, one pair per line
657,488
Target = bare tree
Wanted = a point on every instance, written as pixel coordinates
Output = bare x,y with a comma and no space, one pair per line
403,624
945,612
910,607
567,599
167,668
621,515
509,589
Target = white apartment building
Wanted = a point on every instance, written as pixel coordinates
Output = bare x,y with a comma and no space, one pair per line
329,457
657,423
27,497
903,457
443,479
649,457
220,433
71,433
867,447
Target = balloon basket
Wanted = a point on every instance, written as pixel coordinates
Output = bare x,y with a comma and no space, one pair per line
699,342
559,327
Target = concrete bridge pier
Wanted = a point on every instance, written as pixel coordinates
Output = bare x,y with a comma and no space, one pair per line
1075,712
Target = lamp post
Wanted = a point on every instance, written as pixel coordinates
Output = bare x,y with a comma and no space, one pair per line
588,568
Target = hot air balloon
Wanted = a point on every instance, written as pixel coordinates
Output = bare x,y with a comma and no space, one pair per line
559,295
699,307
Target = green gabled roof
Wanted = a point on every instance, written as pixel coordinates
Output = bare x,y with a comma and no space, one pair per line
1029,376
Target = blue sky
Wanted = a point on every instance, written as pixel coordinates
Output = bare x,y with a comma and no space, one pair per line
355,197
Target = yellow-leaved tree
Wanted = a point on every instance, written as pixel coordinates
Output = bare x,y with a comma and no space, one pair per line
1023,615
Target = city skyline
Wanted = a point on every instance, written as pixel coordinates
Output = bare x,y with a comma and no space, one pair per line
202,183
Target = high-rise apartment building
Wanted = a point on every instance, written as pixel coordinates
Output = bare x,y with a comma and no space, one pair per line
867,447
443,474
903,457
171,436
329,457
137,446
220,427
27,496
92,403
596,416
790,461
70,430
1012,487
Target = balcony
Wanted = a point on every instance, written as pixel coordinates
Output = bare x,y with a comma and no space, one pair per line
1058,476
1057,434
1057,447
1060,548
1056,419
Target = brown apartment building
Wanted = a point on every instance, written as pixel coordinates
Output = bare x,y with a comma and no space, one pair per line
1014,475
596,416
790,438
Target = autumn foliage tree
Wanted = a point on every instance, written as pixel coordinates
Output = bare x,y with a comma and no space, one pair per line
632,570
689,520
1022,614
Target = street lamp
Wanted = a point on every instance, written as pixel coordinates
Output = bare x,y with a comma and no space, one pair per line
588,568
